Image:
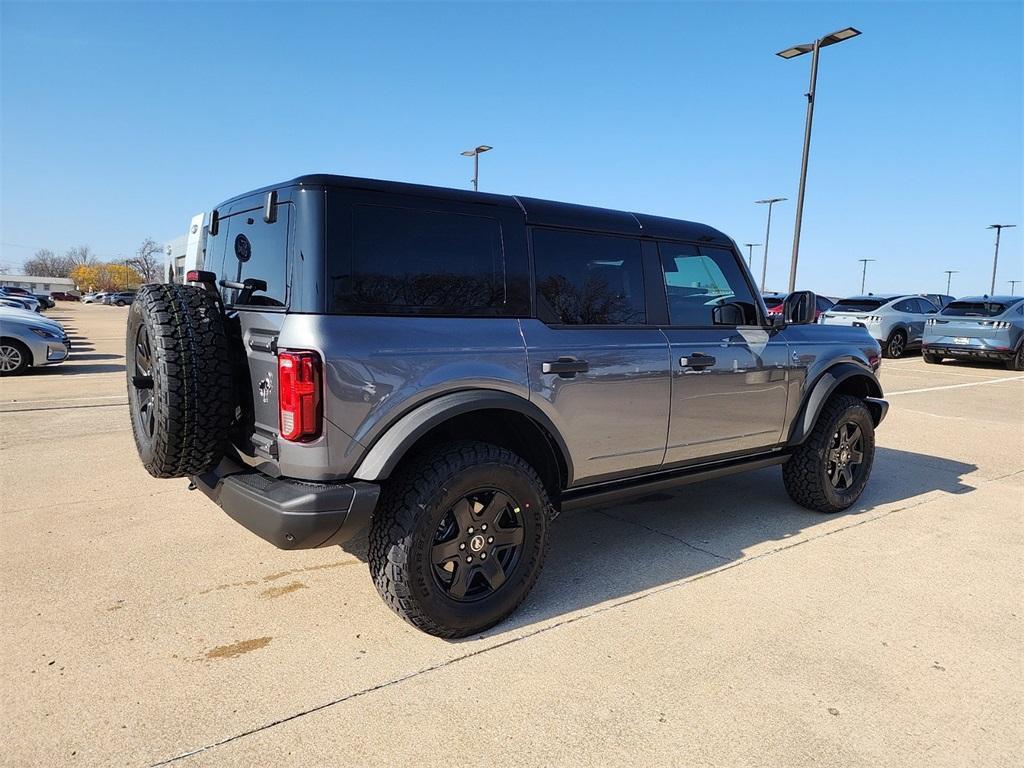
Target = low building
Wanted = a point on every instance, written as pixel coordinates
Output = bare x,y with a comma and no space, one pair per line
38,284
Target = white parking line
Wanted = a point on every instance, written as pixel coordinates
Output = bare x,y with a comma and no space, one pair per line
980,373
957,386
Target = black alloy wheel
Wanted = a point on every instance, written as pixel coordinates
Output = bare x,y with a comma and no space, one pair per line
142,381
845,456
477,545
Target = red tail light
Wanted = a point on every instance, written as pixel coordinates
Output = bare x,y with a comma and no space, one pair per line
299,379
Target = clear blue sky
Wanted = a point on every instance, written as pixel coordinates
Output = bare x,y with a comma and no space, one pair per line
121,121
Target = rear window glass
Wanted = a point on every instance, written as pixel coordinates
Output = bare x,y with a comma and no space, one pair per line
773,301
857,305
975,308
585,279
410,261
252,248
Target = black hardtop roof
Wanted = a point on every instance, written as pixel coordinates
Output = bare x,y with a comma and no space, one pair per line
542,212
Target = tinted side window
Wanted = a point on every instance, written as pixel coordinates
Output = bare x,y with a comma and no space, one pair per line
585,279
411,261
698,279
258,250
907,305
824,304
925,306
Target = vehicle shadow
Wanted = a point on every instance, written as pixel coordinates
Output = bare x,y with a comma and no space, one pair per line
74,368
607,553
90,355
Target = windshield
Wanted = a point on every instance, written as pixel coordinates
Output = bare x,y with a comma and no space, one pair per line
975,308
857,305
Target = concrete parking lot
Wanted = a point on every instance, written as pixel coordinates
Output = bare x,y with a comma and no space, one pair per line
719,624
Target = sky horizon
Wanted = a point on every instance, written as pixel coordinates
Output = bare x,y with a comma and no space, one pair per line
120,121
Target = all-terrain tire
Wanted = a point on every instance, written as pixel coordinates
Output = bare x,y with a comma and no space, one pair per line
806,474
928,357
896,345
177,361
417,500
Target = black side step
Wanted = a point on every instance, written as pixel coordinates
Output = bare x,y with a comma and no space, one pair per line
626,489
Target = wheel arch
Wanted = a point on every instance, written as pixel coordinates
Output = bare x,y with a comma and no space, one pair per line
500,418
841,378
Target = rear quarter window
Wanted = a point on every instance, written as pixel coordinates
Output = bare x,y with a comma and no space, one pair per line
422,262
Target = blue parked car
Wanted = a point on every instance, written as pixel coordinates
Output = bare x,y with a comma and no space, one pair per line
978,328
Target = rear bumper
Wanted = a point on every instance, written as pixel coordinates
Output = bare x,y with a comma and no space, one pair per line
969,353
290,514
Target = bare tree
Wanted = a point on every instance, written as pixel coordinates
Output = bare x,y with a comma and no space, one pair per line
79,256
46,263
148,260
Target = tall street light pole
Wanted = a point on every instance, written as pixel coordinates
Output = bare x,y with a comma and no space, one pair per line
475,154
750,251
864,272
798,50
770,201
949,277
1013,286
995,259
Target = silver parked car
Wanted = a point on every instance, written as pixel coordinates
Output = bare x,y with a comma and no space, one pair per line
26,340
978,328
895,320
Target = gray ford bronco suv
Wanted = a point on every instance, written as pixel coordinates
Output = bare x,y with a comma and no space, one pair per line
449,369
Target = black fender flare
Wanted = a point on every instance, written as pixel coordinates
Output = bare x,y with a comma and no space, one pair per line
385,454
828,382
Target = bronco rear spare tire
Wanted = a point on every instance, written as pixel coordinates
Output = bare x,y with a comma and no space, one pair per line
180,388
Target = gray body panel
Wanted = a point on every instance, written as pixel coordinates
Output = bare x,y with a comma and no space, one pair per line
376,369
614,416
736,404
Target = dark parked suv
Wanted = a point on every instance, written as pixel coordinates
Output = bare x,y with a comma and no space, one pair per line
450,369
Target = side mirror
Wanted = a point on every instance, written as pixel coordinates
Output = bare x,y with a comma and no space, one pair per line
799,308
727,314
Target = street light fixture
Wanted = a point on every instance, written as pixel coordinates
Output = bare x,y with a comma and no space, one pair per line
750,250
949,277
770,201
995,259
790,53
475,154
864,272
1013,286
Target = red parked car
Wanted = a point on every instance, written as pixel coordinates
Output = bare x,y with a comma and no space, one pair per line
774,302
63,296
